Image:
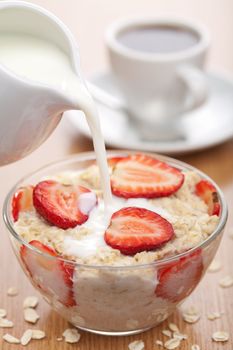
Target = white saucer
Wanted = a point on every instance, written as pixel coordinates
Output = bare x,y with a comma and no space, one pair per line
207,126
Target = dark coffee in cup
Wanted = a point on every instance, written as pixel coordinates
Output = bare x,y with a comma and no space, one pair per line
158,38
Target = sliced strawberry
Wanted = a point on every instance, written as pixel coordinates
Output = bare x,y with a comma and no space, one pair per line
208,193
64,206
22,201
140,175
53,276
114,160
178,279
133,230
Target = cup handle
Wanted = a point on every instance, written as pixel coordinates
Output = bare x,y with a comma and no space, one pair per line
196,84
105,98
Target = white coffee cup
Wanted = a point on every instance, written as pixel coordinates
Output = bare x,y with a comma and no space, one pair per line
158,87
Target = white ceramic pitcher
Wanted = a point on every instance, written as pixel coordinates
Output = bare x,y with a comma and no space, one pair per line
30,110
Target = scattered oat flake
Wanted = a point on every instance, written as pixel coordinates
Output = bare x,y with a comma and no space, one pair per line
226,281
4,323
2,313
173,327
10,339
195,347
215,266
30,315
30,302
59,339
213,316
38,334
159,342
191,314
180,336
220,336
190,318
191,310
26,337
167,332
12,291
172,343
231,233
136,345
71,335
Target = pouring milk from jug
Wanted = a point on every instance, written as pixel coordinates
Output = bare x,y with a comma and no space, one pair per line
40,79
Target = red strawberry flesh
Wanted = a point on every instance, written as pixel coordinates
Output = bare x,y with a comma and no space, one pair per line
143,176
58,203
208,193
178,279
112,161
22,201
53,276
133,230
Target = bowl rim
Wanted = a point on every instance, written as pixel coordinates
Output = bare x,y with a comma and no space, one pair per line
85,156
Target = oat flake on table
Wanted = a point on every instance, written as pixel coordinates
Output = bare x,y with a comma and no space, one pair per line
30,302
136,345
159,342
180,336
38,334
191,318
226,281
172,343
215,266
220,336
30,315
195,347
2,313
71,335
4,323
10,339
191,310
191,314
26,337
213,315
12,291
231,232
173,327
167,333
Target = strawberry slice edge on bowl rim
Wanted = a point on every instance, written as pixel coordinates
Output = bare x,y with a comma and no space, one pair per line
208,193
21,201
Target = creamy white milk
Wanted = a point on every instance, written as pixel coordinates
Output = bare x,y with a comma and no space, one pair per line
98,222
42,61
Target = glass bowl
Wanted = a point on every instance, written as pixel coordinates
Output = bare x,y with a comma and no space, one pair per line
114,300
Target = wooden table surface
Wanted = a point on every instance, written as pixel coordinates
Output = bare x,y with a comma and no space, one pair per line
216,162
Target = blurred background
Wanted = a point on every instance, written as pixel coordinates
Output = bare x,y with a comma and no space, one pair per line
88,20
